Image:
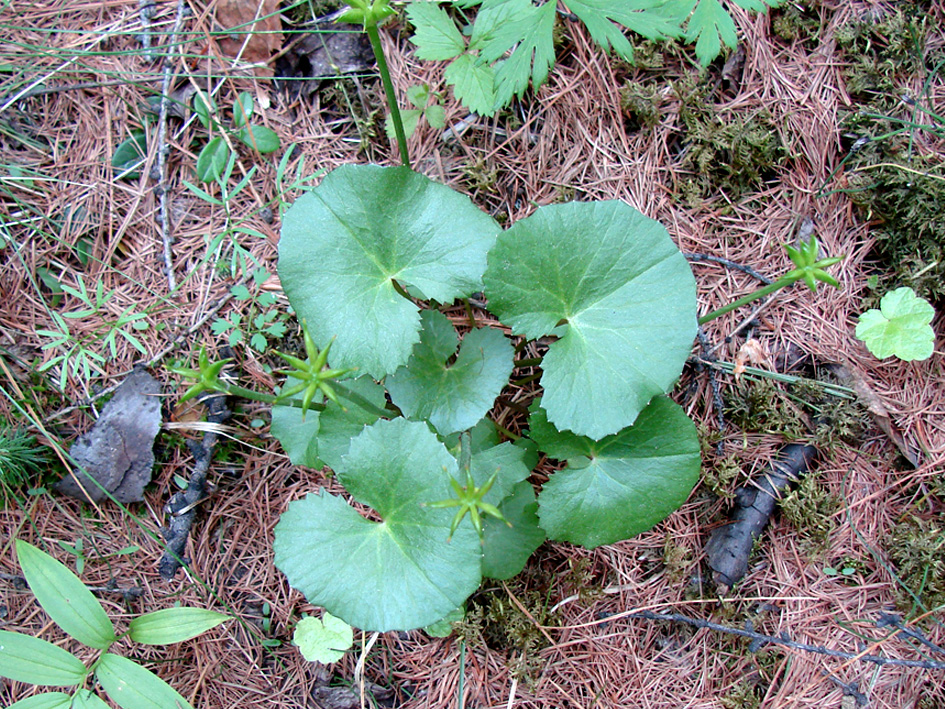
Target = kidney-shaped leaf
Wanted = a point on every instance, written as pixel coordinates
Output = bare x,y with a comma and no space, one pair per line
618,487
900,327
627,297
365,227
452,397
397,574
64,597
131,686
173,625
506,549
324,639
35,661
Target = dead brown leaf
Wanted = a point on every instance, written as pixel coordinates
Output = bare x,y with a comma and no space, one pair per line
255,31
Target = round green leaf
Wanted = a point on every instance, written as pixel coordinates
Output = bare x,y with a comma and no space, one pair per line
365,227
618,487
623,295
64,597
443,627
130,154
24,658
452,397
397,574
297,433
131,686
212,160
173,625
260,138
505,549
47,700
242,109
901,327
324,639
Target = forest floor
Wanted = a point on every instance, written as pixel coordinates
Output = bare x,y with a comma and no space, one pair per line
734,160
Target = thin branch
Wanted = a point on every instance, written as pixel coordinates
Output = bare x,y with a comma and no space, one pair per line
163,149
128,594
700,258
760,640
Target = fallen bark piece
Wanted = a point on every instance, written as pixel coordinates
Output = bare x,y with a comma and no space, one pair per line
730,546
118,452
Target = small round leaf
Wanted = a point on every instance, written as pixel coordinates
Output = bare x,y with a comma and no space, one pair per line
212,160
324,639
900,327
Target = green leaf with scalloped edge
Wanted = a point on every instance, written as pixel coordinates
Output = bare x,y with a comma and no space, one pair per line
365,231
901,327
397,574
451,396
622,485
618,293
505,550
324,639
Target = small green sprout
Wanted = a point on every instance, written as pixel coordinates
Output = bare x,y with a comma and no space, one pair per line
809,268
206,376
312,374
469,499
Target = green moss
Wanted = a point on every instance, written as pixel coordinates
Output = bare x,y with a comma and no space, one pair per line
761,406
810,507
640,103
677,559
798,22
744,695
722,475
906,198
728,151
917,549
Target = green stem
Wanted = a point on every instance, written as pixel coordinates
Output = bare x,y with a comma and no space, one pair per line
760,293
356,398
375,38
269,398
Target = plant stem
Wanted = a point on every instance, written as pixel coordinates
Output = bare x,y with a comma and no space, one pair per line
375,37
760,293
356,398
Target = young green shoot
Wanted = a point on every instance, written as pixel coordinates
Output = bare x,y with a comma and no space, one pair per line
808,268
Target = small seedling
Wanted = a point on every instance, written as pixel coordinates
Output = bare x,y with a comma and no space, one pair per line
22,459
213,158
324,640
75,610
78,550
419,97
901,327
263,322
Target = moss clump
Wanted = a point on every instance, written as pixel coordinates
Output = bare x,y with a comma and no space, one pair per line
744,695
640,103
676,559
761,406
496,621
917,549
721,477
729,151
798,22
906,196
810,507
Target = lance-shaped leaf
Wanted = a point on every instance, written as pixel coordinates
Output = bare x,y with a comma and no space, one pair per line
35,661
64,597
397,574
452,397
623,295
365,232
618,487
47,700
131,686
173,625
